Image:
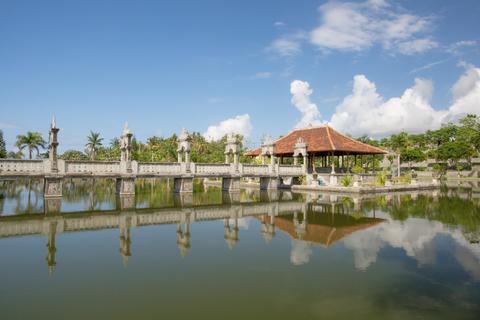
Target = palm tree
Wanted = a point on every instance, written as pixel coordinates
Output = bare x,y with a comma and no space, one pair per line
94,142
31,141
399,142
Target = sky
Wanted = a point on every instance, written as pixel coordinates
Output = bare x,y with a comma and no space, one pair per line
257,68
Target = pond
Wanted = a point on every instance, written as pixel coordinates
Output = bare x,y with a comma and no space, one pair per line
253,255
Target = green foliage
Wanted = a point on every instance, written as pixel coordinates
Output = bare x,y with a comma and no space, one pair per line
357,169
405,179
381,178
94,142
3,149
32,141
73,155
347,181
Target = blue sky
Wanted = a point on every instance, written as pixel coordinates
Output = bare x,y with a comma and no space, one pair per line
164,65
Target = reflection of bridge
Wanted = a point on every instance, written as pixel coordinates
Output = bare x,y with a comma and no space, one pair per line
126,170
52,222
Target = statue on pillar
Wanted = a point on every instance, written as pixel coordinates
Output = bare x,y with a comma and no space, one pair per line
126,148
232,146
52,146
184,143
300,149
268,147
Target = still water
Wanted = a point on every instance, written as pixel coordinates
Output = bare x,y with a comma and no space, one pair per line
252,255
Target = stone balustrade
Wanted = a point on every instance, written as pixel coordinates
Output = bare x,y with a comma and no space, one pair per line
290,170
96,168
255,169
155,168
212,169
22,167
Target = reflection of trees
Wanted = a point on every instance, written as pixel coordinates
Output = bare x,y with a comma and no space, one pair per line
25,192
449,208
95,191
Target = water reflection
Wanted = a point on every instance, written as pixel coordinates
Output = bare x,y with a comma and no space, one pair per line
409,254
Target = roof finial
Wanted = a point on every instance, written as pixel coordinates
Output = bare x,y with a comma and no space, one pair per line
126,130
54,124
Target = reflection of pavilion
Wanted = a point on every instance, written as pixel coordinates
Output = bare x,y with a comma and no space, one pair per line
323,229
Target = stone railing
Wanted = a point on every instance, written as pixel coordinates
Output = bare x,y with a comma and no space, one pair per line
155,168
211,168
290,170
27,167
255,169
92,167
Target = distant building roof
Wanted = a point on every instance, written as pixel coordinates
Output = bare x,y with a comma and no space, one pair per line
321,139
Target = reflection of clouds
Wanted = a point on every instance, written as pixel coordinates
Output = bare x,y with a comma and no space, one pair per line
300,253
415,237
241,222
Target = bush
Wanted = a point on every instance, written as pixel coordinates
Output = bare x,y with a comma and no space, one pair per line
347,181
381,178
357,169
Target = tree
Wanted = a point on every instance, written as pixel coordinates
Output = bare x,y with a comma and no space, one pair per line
3,149
453,151
94,142
411,154
73,155
32,141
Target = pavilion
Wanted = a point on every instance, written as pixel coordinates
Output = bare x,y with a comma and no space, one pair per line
311,144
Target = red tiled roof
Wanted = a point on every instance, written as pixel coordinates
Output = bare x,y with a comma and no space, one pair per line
321,139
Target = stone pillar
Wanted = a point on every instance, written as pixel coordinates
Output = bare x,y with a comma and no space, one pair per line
53,186
183,184
231,184
295,160
52,147
179,157
125,185
333,164
184,142
232,145
305,163
126,149
268,148
269,183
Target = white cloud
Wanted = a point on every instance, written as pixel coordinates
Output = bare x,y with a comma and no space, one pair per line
365,111
357,26
238,125
301,92
279,24
300,253
416,46
262,75
287,45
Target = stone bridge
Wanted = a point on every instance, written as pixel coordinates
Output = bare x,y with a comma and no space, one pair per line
126,170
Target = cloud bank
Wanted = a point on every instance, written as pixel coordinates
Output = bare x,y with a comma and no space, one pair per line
238,125
301,92
365,111
358,26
